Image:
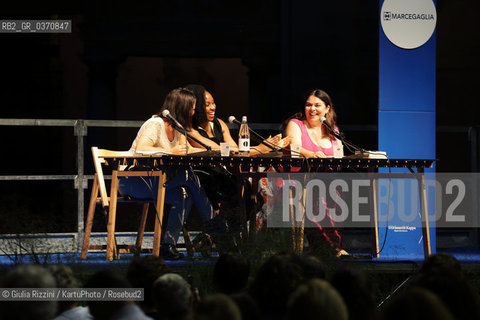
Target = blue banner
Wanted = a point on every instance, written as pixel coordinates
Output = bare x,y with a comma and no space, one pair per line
406,116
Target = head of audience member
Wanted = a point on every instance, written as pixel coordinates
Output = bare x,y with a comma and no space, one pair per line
200,115
64,278
276,279
247,306
217,307
142,273
357,293
180,103
319,103
28,276
231,272
172,296
316,299
313,267
440,274
440,261
107,278
415,304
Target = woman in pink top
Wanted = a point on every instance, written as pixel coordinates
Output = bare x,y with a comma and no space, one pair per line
317,141
306,128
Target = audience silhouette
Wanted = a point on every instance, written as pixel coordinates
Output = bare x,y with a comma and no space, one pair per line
285,286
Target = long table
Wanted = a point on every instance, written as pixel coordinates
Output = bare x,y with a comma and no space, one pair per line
256,167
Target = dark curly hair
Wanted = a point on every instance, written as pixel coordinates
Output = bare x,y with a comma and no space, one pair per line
200,115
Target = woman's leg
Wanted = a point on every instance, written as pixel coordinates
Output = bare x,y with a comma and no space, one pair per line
181,190
176,196
142,188
216,228
180,204
189,179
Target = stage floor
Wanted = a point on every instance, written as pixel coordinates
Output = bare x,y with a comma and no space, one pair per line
466,255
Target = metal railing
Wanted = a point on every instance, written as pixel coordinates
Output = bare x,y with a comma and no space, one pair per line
80,130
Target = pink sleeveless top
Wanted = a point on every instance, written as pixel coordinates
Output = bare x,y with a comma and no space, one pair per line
308,144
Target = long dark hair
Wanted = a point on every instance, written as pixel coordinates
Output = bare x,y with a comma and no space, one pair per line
331,115
200,115
180,102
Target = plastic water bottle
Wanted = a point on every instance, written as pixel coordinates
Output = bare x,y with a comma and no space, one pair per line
244,138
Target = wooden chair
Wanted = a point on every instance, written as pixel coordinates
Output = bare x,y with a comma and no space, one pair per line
109,203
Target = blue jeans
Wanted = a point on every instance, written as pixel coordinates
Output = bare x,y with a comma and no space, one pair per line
182,189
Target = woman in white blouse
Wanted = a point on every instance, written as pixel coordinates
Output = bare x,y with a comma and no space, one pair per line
183,187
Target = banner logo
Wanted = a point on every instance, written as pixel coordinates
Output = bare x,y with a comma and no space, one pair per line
408,24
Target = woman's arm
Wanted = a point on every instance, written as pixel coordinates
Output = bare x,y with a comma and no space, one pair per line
339,142
194,133
144,143
261,148
190,148
293,131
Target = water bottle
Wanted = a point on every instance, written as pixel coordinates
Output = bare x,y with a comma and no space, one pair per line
244,138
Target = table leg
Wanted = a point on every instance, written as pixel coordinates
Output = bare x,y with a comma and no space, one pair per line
90,215
292,217
241,192
252,219
427,250
376,246
157,234
297,228
300,234
111,250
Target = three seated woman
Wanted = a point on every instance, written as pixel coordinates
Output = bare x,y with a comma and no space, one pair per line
194,108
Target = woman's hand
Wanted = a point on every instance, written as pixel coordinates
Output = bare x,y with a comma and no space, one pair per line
285,142
319,154
273,140
276,141
180,149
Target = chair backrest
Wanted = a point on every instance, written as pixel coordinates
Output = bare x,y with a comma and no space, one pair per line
98,159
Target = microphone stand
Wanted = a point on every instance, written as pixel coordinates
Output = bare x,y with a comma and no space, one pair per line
257,137
348,144
184,132
261,139
339,135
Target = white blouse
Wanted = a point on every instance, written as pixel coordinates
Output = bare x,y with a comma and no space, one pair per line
154,129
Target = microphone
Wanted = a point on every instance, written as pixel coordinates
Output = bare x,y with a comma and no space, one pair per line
324,121
335,132
166,114
232,119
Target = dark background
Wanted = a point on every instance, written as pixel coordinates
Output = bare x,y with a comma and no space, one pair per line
257,58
